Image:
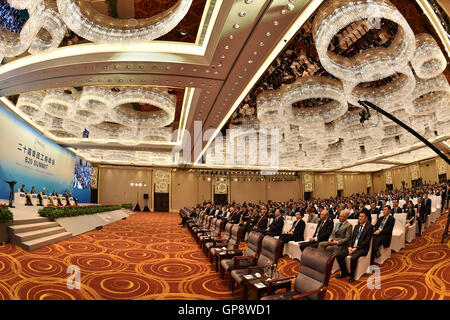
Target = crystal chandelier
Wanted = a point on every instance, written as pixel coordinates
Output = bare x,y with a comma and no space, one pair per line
30,104
369,65
428,61
81,17
315,87
152,119
60,102
43,15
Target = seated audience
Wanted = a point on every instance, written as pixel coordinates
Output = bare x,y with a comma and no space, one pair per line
276,226
296,232
338,241
359,246
383,233
322,232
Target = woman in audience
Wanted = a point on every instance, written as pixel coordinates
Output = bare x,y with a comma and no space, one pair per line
410,214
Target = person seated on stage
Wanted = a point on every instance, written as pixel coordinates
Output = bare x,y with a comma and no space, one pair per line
261,225
73,198
359,246
66,196
40,196
311,218
55,194
338,241
383,233
296,232
410,215
276,226
322,233
28,197
22,189
395,208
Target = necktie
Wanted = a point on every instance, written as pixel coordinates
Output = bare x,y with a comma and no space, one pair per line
338,228
382,224
318,228
358,235
293,226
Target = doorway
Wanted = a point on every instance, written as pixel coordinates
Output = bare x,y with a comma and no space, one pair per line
161,203
220,199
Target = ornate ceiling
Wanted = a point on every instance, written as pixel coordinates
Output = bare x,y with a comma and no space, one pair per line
156,82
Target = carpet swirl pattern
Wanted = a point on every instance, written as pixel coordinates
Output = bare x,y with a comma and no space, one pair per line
148,256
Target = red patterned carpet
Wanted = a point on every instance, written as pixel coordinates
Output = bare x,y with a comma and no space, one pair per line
148,256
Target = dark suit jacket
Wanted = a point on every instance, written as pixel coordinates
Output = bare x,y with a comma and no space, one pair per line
428,205
386,233
364,239
299,230
422,210
325,230
235,218
396,210
262,224
276,226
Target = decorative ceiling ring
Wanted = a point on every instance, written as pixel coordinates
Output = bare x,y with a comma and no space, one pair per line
431,95
87,22
86,117
52,30
111,130
73,127
315,87
95,99
396,90
44,30
371,64
428,60
270,109
158,134
60,102
30,104
127,115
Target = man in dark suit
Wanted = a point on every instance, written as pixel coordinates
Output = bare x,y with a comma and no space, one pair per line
427,203
322,233
276,226
248,222
359,246
22,189
421,212
338,241
383,232
405,206
395,208
235,216
296,232
261,225
443,198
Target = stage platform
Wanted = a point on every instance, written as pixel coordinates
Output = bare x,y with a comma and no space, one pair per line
30,231
22,212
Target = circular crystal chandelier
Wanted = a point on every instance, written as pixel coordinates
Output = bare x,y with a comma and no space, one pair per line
60,102
111,130
428,61
430,96
401,86
44,30
127,115
315,87
30,104
371,64
156,134
96,99
81,17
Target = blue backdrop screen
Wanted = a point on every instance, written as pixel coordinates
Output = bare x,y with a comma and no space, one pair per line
29,158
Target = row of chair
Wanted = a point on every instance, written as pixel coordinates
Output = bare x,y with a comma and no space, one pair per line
261,251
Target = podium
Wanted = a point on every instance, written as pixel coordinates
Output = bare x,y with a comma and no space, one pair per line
11,192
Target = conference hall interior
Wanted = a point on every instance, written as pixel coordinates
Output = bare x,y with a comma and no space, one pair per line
226,150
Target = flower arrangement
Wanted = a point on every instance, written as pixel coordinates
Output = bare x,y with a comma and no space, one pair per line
5,214
59,212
